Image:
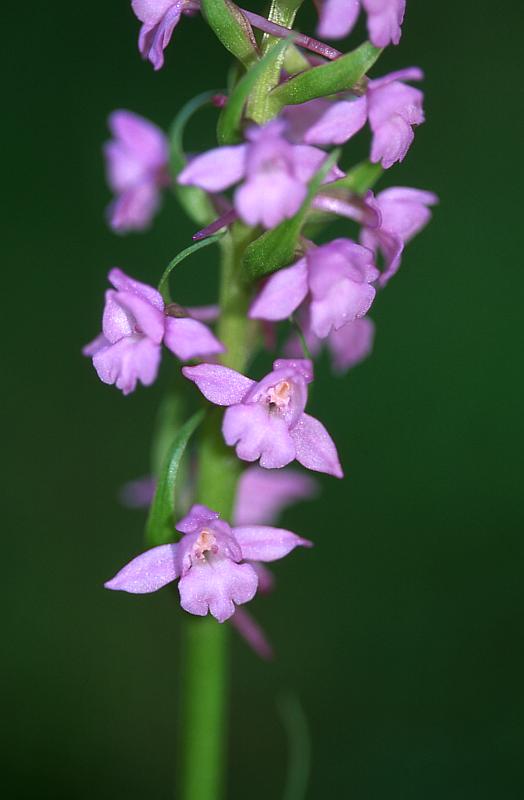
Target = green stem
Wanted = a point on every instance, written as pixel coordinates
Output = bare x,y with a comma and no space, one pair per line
205,697
206,650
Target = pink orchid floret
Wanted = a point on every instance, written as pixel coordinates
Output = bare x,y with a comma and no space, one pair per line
273,173
210,561
404,212
392,108
136,165
266,420
159,19
135,322
337,280
384,18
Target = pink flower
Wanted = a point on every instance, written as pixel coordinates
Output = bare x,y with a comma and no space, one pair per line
134,324
394,109
404,212
274,174
266,420
210,562
336,278
136,164
385,17
159,19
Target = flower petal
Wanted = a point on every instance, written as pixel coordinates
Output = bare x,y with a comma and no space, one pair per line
263,494
150,11
117,322
215,170
391,141
219,385
97,344
282,293
198,517
258,434
134,209
143,141
252,633
124,283
261,543
315,447
149,320
308,160
215,586
351,343
339,123
128,361
267,199
337,18
385,18
187,338
148,572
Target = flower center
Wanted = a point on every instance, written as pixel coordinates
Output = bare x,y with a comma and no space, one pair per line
279,396
206,543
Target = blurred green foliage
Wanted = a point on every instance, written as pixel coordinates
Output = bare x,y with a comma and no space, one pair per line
402,630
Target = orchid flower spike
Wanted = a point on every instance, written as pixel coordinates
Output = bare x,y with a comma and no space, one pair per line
210,561
337,280
384,17
274,174
159,19
135,323
266,420
136,166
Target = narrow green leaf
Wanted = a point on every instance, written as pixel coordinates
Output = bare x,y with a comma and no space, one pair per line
163,287
229,122
195,202
232,29
360,178
276,248
159,526
337,76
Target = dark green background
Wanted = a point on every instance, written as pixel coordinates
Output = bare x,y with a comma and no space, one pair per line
402,630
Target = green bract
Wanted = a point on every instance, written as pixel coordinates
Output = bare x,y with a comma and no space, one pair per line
159,526
337,76
232,29
229,123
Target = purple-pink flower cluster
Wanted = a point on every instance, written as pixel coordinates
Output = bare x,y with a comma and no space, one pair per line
271,180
